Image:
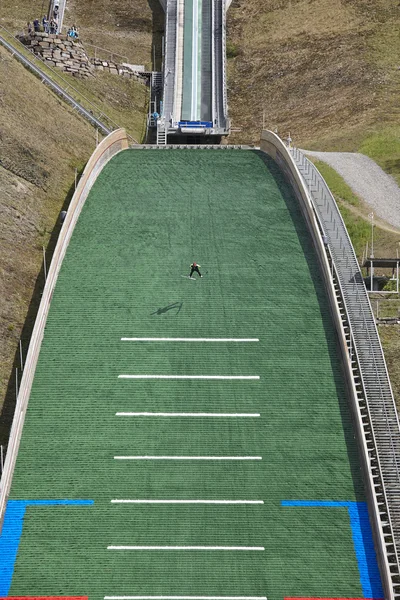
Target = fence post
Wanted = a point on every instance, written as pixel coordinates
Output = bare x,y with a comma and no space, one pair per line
20,355
44,264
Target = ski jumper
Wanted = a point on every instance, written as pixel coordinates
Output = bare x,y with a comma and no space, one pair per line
195,267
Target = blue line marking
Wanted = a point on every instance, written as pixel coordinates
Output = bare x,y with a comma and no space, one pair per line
56,502
317,503
9,542
362,539
365,551
11,533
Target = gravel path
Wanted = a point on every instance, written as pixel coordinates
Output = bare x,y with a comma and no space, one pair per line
368,181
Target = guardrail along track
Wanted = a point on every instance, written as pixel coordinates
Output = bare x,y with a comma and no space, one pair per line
380,420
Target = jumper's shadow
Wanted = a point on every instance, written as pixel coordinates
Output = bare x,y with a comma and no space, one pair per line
161,311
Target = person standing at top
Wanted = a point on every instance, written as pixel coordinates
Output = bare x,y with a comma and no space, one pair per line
195,267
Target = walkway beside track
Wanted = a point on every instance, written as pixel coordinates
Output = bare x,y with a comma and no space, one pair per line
376,402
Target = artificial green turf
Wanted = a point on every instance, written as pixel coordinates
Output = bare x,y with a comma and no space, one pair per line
149,215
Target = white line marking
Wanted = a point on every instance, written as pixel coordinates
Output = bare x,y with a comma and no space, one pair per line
188,457
185,598
242,548
187,501
183,414
188,377
166,339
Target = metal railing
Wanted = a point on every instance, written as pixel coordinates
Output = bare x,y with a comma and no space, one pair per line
219,62
59,84
380,418
170,60
110,52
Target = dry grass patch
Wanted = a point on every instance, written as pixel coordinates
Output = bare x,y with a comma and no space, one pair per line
390,338
313,68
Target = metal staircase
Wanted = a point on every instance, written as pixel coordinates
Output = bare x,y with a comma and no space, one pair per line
161,132
376,406
156,85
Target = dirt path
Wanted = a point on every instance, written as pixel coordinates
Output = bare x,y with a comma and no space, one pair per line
378,189
363,213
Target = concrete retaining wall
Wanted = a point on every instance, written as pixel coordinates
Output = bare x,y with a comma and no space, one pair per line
109,147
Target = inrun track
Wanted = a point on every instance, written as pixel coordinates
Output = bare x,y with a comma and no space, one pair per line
148,217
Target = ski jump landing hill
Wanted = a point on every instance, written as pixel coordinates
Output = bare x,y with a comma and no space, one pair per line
232,437
191,439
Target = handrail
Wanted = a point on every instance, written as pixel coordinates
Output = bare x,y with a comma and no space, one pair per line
40,71
108,51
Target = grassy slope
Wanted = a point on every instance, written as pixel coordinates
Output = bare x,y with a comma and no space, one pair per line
326,70
390,338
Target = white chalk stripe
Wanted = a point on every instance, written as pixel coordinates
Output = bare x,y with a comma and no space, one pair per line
185,598
188,457
184,414
187,501
166,339
188,377
231,548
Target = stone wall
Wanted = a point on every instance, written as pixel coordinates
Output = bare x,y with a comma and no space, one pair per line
70,56
60,51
